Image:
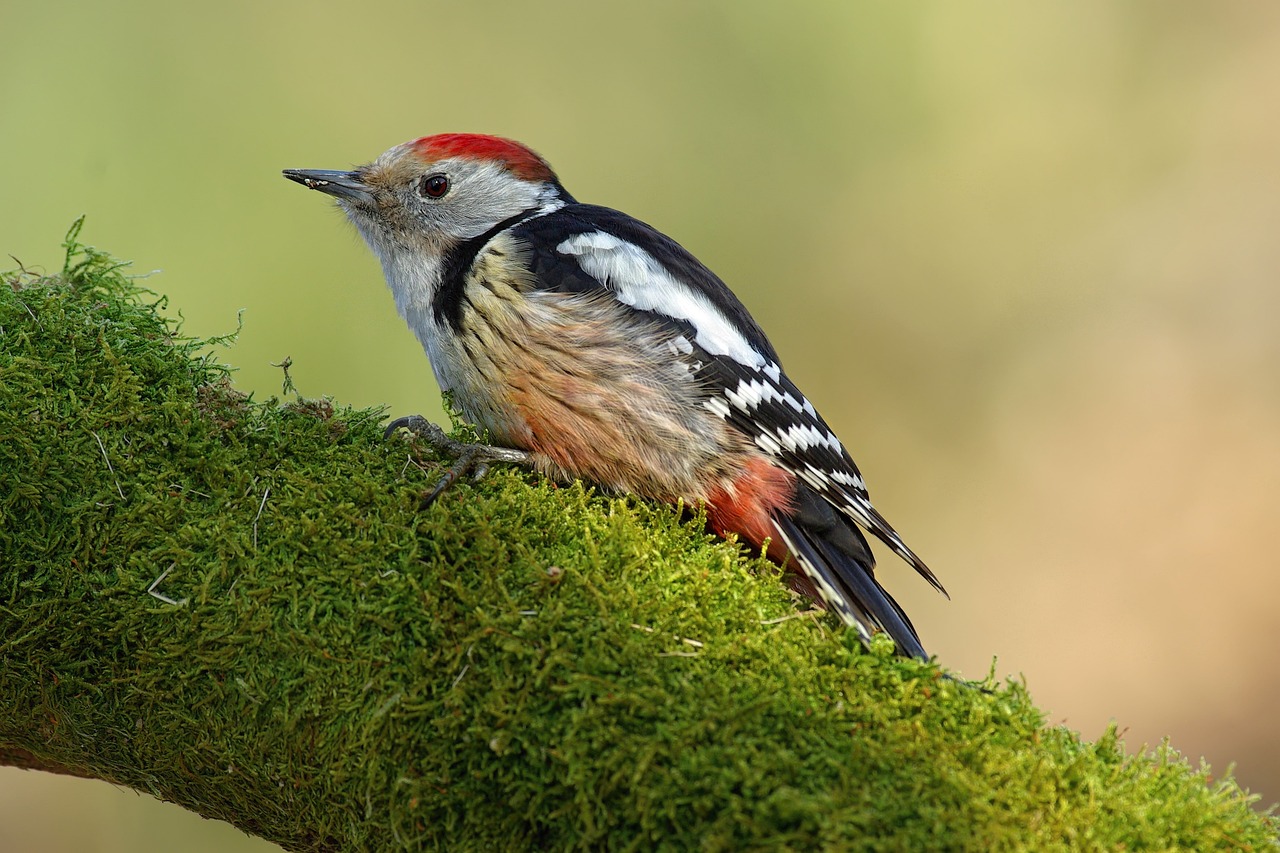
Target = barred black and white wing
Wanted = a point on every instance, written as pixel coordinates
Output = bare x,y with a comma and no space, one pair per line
767,406
583,248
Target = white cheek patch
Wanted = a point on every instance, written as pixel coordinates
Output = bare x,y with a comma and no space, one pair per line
637,279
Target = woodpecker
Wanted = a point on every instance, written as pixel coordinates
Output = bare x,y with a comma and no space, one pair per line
601,349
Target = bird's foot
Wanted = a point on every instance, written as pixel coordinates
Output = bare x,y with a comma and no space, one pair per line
474,458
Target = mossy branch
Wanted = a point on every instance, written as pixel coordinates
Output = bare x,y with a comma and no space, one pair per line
239,607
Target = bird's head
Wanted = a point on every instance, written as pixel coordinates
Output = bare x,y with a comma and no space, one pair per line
429,194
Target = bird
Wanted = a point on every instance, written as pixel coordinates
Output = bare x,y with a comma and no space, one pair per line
589,345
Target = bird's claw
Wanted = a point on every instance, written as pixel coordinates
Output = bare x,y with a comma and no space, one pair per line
419,426
475,458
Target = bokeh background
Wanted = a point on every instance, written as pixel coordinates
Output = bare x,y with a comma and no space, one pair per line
1024,258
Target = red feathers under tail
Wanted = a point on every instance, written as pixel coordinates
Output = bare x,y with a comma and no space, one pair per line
808,533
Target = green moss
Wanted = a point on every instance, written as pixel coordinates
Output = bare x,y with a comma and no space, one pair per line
238,606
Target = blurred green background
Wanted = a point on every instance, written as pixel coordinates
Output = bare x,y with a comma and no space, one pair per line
1022,256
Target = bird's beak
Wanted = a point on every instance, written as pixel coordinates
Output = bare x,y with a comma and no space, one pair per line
343,185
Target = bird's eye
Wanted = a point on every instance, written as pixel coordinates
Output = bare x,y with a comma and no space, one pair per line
434,186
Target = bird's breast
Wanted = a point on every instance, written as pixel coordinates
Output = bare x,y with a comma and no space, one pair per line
591,385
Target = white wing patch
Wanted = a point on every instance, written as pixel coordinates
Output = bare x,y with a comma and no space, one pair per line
846,479
638,280
681,346
766,443
750,393
802,437
718,405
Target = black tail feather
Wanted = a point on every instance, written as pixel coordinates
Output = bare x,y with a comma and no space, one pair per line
837,559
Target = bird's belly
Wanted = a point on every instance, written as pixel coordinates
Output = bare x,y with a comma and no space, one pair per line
477,393
575,381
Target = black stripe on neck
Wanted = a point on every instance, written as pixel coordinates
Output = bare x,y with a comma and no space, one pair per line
447,304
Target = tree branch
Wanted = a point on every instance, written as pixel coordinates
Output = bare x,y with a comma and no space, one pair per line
238,607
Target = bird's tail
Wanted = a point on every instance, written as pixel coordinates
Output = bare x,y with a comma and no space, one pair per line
835,558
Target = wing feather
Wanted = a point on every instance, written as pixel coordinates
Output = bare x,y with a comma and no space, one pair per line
584,248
